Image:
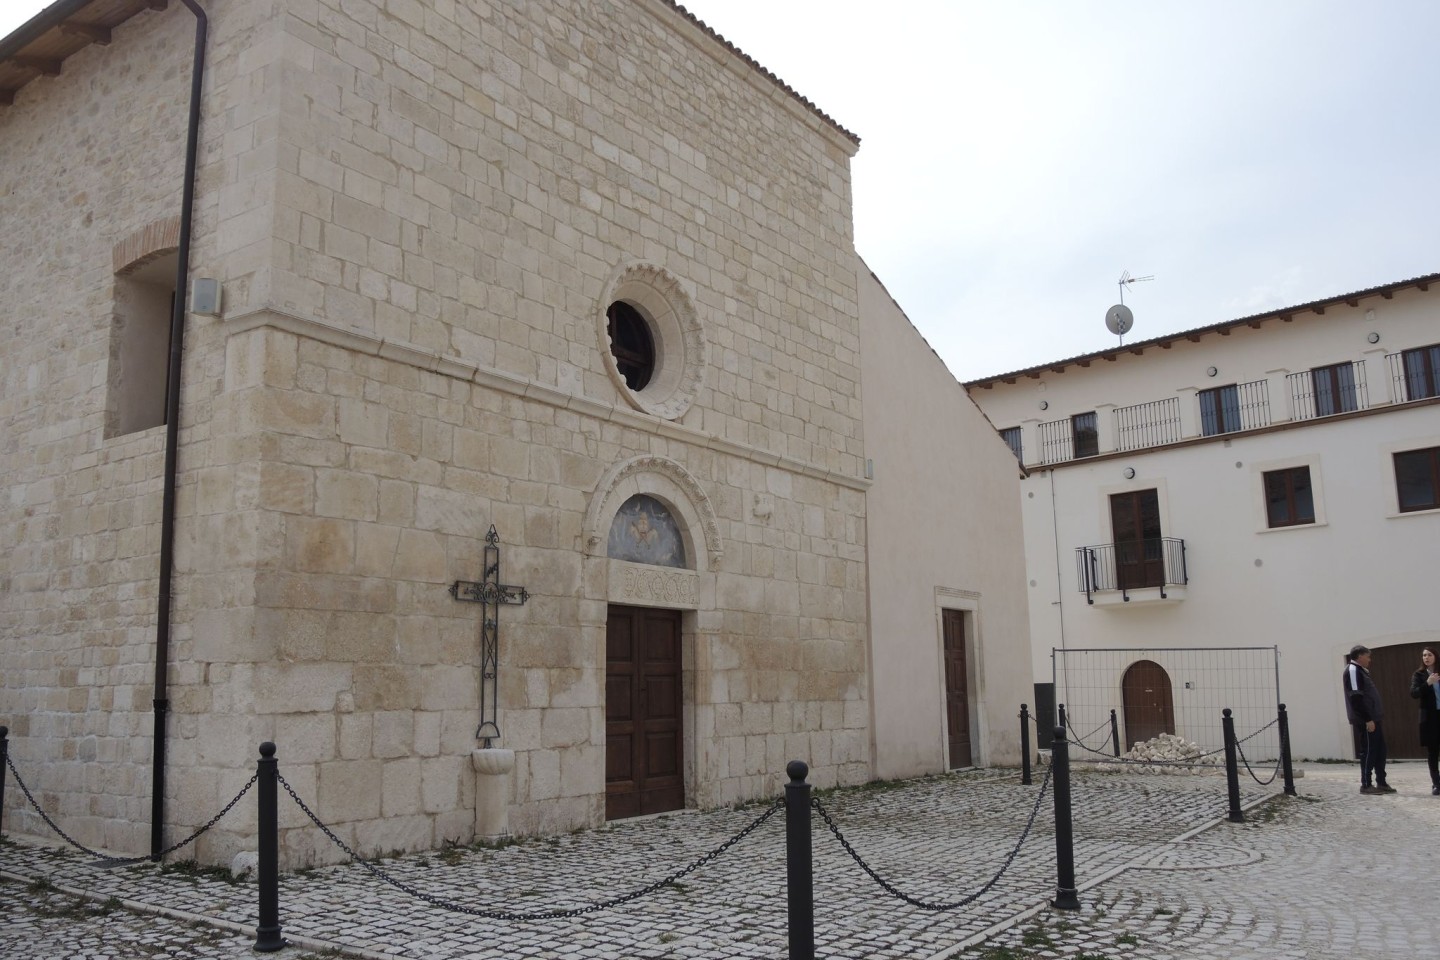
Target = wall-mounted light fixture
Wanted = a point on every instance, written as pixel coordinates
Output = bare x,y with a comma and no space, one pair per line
1373,337
205,297
1129,473
1044,404
1211,371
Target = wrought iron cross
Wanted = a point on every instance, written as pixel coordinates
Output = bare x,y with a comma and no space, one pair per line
490,593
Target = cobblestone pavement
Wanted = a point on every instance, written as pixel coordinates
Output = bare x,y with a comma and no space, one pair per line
1159,878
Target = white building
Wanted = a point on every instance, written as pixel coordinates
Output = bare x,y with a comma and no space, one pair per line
1271,481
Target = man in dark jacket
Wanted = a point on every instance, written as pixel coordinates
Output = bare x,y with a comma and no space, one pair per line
1366,715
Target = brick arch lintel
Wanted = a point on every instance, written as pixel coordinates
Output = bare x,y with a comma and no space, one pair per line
150,241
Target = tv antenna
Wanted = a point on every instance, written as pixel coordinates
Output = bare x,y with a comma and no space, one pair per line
1120,318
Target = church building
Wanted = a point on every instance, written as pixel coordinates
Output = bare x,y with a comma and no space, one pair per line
485,403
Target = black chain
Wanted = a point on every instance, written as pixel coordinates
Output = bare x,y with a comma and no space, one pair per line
1103,723
927,904
1110,758
1187,762
1273,773
121,861
452,906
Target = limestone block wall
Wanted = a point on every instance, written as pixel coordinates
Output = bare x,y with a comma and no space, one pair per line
376,482
417,212
464,178
90,184
456,190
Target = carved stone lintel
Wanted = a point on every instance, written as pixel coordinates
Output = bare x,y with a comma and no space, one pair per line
648,586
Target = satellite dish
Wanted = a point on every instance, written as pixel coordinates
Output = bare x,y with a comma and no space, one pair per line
1119,319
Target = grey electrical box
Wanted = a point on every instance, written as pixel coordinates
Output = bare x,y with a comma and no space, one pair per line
205,298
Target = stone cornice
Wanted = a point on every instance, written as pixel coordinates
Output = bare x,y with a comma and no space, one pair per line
501,380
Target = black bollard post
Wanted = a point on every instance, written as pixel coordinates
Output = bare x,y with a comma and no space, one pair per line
1115,733
4,763
1065,896
1024,745
1286,763
267,934
1232,770
799,868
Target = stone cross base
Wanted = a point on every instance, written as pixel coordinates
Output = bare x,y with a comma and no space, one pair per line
492,792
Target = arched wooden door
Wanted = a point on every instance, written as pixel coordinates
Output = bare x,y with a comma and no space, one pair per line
1391,668
1149,702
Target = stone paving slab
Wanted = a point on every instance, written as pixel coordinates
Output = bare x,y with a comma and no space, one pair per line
937,839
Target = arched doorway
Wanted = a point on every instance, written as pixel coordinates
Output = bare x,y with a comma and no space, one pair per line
1149,702
644,706
652,541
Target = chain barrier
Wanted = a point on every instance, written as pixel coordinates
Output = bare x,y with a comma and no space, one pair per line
1273,773
1187,762
927,904
1103,724
445,904
123,861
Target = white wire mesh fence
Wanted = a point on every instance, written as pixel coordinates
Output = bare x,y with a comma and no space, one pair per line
1175,690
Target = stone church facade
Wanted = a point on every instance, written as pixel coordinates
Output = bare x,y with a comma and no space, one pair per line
583,273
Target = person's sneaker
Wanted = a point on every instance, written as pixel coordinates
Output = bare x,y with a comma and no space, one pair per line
1385,788
1370,790
1435,791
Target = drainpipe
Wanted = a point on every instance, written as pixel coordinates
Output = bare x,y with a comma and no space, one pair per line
172,442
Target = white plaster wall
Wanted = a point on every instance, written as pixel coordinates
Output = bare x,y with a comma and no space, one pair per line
943,532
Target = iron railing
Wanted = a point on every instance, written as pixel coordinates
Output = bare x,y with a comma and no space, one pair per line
1147,424
1414,374
1131,565
1057,441
1326,391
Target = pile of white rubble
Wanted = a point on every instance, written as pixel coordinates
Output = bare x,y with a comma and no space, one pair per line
1173,753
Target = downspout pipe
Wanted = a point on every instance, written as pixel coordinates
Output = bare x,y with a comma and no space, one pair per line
172,441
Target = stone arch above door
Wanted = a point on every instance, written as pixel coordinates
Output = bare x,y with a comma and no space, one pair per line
671,484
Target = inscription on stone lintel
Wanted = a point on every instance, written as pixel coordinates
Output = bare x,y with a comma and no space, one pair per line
659,585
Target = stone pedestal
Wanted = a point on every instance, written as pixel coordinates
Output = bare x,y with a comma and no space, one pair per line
492,792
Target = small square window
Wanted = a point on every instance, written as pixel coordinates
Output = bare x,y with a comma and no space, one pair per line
1289,498
1417,479
1086,434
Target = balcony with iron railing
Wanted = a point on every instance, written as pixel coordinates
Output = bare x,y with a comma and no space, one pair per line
1147,424
1112,572
1312,394
1414,374
1326,391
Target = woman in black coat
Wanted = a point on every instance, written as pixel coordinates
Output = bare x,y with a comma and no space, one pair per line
1425,687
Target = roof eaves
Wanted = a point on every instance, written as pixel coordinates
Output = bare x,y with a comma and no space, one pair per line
1194,334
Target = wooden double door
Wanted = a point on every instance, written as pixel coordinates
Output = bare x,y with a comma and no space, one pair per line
644,735
1139,549
1391,668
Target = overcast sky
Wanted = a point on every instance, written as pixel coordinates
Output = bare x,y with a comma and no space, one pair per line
1017,157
